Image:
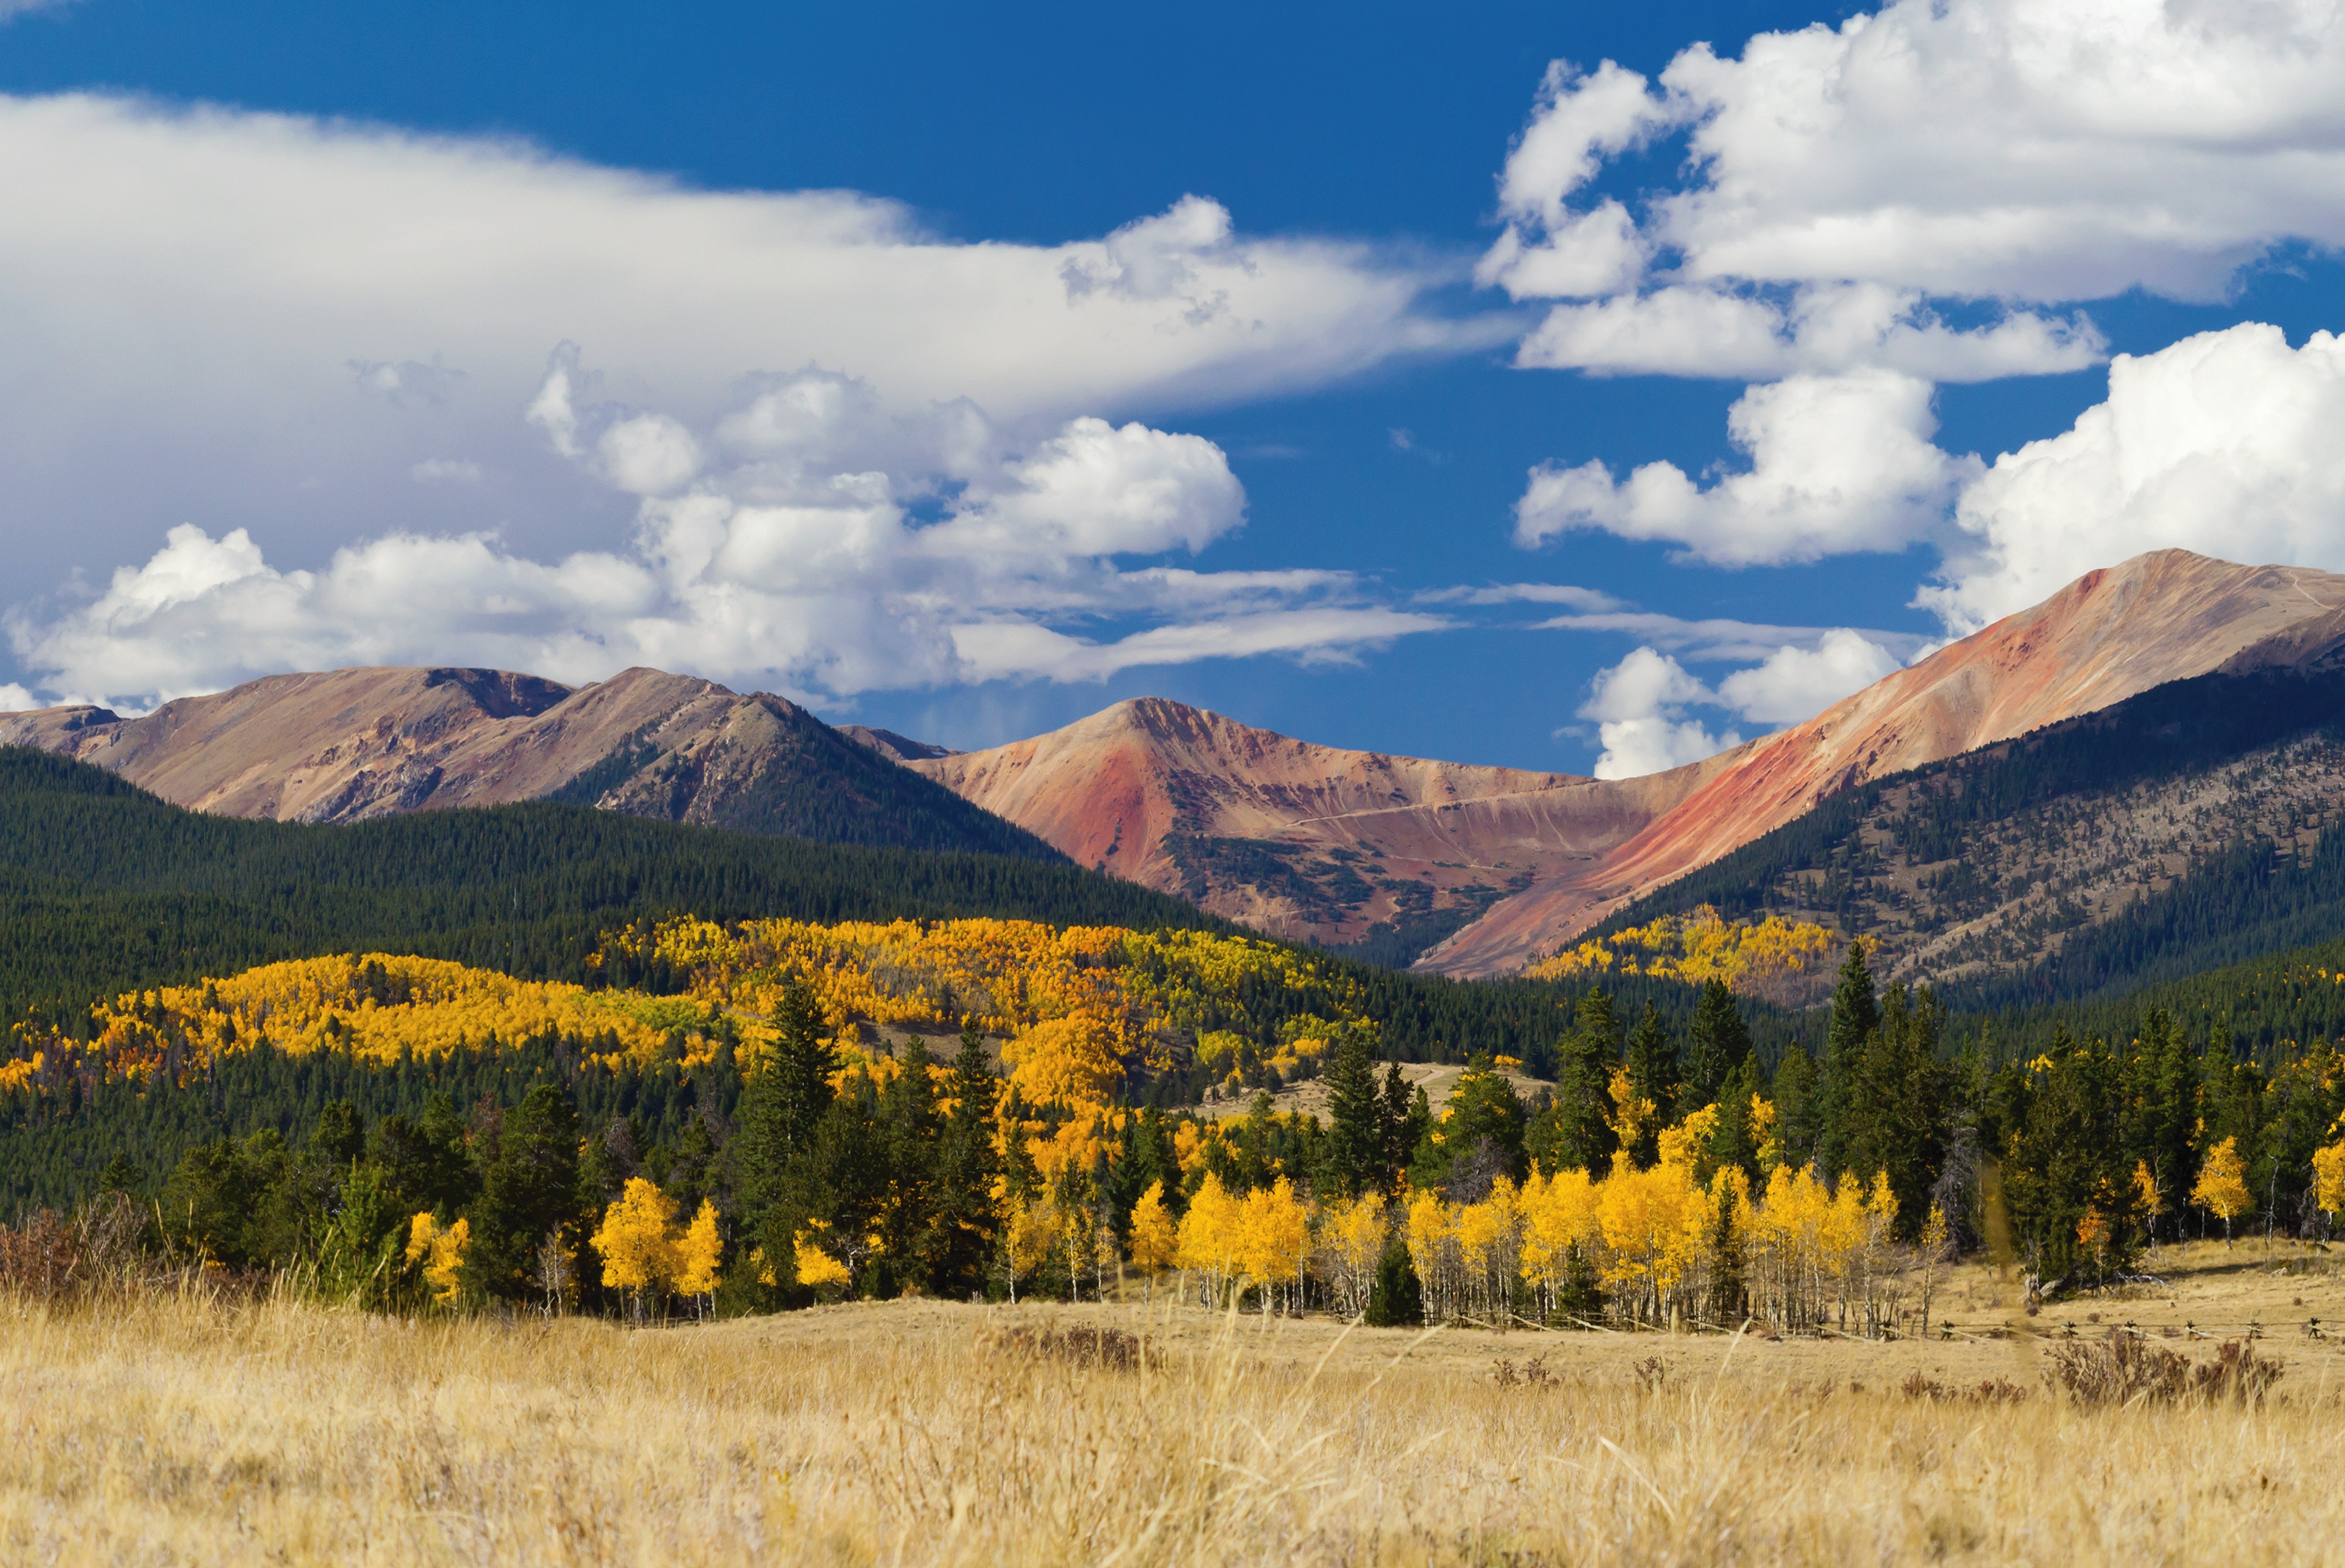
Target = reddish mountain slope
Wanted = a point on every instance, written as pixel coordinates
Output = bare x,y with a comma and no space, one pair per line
1309,841
2110,634
1297,839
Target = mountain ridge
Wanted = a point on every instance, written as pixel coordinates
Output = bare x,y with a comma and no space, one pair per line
352,745
1497,867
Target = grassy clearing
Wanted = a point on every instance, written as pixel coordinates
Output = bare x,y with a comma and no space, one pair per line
165,1429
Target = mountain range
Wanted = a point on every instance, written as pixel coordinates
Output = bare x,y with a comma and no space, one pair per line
1456,869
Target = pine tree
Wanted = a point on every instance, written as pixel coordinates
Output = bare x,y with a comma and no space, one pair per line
1795,1107
1582,1135
965,1221
914,1129
1855,1014
1652,1077
1397,1299
1893,1114
1720,1043
1355,1131
528,1195
1732,1144
782,1103
1405,1118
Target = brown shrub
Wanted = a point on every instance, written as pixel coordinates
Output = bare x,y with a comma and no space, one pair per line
1109,1349
48,1256
1988,1391
2126,1368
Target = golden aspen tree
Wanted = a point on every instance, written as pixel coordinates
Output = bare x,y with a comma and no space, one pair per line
637,1242
2146,1193
1352,1243
2222,1185
1030,1229
1154,1242
1433,1252
1931,1252
2329,1179
1277,1236
1211,1235
441,1253
698,1255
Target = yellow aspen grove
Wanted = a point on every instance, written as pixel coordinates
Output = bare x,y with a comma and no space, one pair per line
1351,1243
1212,1236
1560,1226
2222,1185
1029,1231
698,1254
441,1253
1276,1238
638,1243
1433,1253
1154,1243
1490,1251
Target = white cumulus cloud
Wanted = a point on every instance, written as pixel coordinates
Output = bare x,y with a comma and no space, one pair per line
1837,464
2008,149
2228,443
283,318
1639,708
834,548
1793,683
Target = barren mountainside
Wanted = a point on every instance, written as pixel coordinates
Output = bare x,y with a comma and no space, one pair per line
347,745
1299,840
1498,866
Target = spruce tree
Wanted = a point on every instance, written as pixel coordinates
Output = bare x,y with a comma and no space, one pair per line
1356,1123
1720,1043
1583,1133
782,1103
1795,1107
1401,1114
1653,1078
963,1224
1733,1142
1397,1300
1855,1014
913,1132
529,1195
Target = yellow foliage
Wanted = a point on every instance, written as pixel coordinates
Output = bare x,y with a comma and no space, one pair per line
699,1253
1154,1242
637,1240
1702,946
1071,1061
1276,1233
1212,1237
1031,1227
816,1267
2222,1185
441,1253
1684,1143
435,1009
2328,1177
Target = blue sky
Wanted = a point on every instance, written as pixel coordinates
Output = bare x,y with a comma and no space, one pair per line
472,389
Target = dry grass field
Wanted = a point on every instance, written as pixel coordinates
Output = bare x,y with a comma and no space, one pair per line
172,1429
